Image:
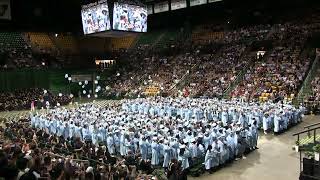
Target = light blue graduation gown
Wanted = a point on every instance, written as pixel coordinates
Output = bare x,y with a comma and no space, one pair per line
276,122
155,159
166,156
143,149
110,144
209,160
184,160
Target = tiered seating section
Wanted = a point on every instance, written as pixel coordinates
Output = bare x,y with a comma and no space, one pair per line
280,76
205,36
12,40
14,51
41,41
208,68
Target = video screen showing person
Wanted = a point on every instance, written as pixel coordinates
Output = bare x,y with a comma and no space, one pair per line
129,18
95,19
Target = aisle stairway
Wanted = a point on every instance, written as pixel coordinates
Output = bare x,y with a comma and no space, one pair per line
252,58
306,88
185,79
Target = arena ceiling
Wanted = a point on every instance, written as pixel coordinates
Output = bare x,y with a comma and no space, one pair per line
64,15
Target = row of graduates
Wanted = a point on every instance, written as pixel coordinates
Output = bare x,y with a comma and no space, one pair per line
274,117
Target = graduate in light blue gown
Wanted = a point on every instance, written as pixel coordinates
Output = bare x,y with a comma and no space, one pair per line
166,154
85,133
127,145
210,159
60,128
66,131
223,151
33,121
183,157
77,131
155,158
266,122
151,111
206,140
71,129
231,145
110,143
116,139
174,145
94,136
53,126
122,144
255,135
37,121
224,117
209,115
47,126
103,133
162,112
194,148
135,143
143,148
276,123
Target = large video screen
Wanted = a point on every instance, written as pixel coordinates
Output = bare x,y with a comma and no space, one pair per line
129,17
95,17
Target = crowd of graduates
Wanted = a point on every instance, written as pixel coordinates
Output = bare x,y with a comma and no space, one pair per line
131,139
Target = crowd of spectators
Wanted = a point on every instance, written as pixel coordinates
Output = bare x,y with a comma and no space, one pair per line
212,65
281,73
22,99
214,73
12,58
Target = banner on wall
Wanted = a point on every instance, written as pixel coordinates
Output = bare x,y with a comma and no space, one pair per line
161,7
197,2
150,9
212,1
5,9
178,4
81,77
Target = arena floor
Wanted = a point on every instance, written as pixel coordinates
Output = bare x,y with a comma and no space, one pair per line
274,159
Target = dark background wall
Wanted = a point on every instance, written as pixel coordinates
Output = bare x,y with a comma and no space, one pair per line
64,15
